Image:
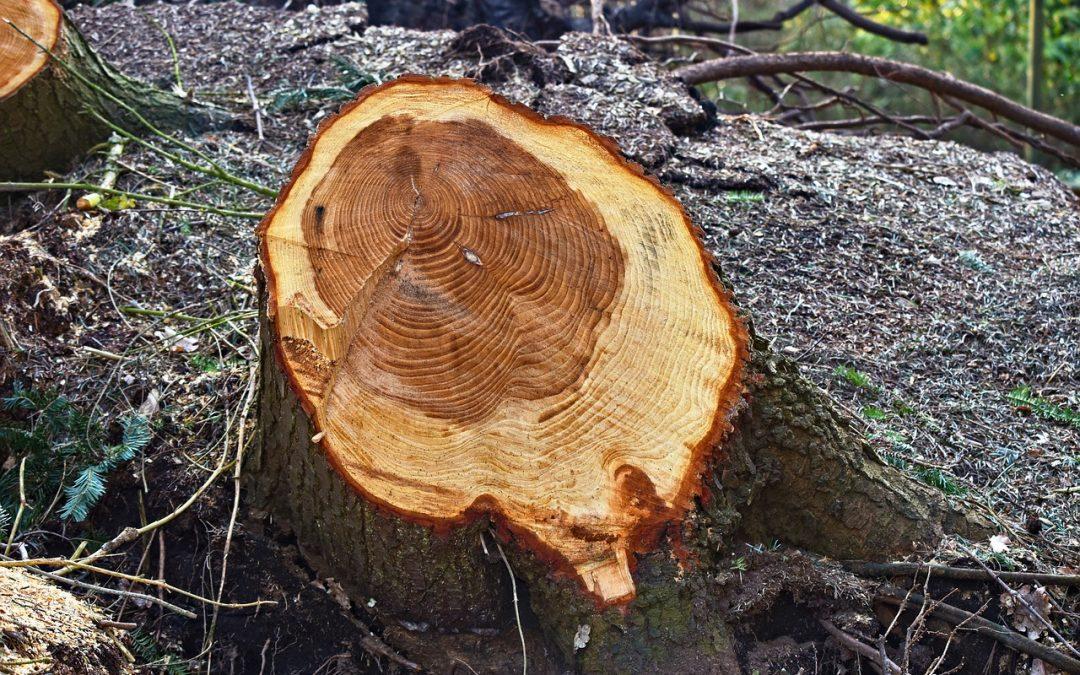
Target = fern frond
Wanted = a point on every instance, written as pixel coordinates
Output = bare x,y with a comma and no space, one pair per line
1043,408
19,400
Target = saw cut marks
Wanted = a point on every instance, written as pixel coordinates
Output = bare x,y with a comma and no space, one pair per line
489,312
20,59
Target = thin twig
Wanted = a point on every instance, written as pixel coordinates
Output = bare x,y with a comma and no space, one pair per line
1002,634
26,187
115,591
31,563
1023,601
861,648
517,614
22,506
237,467
909,569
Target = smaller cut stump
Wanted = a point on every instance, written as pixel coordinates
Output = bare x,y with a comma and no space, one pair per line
54,90
488,312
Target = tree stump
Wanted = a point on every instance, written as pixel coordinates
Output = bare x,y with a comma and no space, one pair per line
474,315
44,104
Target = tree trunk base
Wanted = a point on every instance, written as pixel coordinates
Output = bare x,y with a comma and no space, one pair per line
792,472
46,123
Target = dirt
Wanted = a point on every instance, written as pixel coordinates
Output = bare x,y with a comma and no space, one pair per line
946,276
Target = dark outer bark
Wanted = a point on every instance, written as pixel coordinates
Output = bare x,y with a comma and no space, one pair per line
793,470
44,126
886,69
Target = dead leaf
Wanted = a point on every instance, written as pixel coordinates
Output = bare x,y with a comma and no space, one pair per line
1020,616
151,405
999,543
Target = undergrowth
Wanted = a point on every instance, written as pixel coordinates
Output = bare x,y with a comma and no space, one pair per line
153,657
350,81
68,455
1023,397
932,476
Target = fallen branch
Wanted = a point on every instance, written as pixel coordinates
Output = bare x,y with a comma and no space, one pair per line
909,569
1002,634
644,14
1023,601
886,69
883,662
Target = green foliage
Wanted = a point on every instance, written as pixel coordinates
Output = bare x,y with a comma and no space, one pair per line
875,413
984,42
153,657
205,363
932,476
66,453
853,377
1023,396
350,81
743,197
972,260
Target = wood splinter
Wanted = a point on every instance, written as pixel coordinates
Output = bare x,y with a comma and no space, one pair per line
484,311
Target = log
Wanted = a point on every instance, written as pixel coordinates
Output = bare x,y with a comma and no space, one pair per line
474,316
45,102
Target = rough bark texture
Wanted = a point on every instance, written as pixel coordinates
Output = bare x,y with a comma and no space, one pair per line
794,471
48,630
45,124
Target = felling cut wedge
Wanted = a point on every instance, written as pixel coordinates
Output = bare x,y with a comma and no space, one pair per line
52,83
486,311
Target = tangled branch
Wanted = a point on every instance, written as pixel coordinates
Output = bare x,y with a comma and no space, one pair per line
942,84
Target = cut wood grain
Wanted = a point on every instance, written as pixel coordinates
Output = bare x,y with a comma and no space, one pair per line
20,59
486,311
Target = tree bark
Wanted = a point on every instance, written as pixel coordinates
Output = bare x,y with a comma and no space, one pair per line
793,471
48,630
46,123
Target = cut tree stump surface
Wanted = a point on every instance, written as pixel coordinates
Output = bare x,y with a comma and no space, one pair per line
490,312
20,60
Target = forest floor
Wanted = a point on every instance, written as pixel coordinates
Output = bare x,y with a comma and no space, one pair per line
921,283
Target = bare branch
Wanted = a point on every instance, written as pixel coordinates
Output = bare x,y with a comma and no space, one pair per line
859,21
886,69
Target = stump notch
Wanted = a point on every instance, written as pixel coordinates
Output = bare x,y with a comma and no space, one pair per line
486,311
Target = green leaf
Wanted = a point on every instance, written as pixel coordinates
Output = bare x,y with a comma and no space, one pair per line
853,377
873,413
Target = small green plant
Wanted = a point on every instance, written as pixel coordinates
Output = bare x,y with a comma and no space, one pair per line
153,657
66,452
902,408
206,364
1022,397
350,81
874,413
743,197
740,564
932,476
853,377
972,260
